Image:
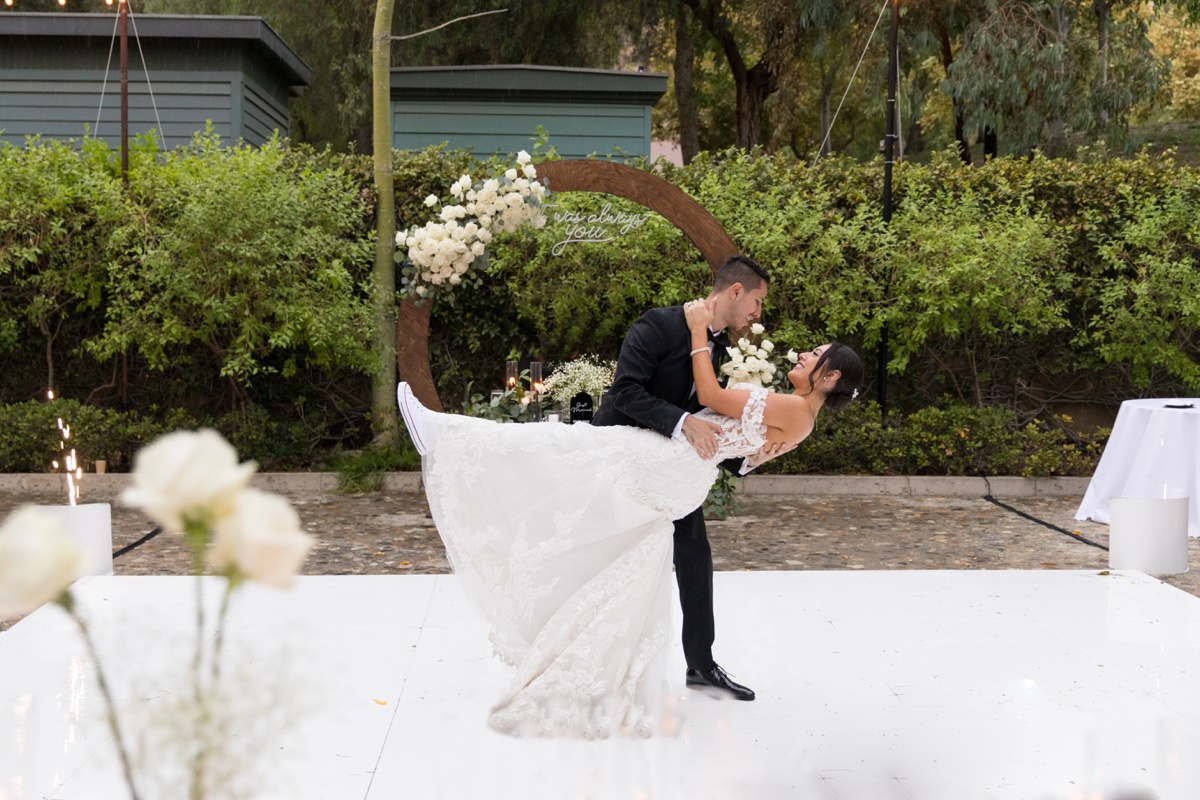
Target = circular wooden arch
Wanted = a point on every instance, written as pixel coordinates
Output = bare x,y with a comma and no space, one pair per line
645,188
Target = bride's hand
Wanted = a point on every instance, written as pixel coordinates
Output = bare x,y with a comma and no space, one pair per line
699,316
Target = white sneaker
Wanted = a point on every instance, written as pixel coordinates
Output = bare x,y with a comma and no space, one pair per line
422,423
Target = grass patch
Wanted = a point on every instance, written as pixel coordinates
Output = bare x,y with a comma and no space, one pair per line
363,471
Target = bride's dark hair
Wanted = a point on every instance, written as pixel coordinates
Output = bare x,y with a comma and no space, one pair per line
841,358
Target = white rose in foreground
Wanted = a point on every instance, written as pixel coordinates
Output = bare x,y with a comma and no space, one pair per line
38,560
187,474
757,329
431,201
523,157
260,540
792,356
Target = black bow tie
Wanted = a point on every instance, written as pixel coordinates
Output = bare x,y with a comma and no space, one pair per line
720,338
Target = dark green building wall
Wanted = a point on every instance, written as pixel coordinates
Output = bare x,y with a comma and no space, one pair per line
202,70
500,108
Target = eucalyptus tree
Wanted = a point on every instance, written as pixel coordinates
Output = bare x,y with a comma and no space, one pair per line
1037,71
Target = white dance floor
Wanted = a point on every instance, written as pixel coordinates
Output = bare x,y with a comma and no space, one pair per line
871,686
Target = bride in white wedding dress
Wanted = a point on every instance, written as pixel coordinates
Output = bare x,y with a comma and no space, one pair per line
562,535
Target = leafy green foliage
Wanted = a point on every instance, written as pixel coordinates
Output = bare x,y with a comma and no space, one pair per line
230,285
364,471
246,258
947,439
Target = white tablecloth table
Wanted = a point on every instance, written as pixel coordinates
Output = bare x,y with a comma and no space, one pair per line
1154,451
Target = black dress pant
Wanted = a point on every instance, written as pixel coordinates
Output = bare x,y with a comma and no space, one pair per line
694,574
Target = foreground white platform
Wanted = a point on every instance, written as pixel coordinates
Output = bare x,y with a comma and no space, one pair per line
871,686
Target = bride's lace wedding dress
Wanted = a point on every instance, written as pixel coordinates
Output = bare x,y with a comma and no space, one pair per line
562,534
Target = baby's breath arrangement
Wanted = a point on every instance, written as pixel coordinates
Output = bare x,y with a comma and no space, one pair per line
584,374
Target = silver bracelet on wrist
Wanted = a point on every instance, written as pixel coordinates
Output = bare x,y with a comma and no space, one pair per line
698,350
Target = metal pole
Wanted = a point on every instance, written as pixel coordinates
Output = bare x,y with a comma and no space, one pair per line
123,14
889,153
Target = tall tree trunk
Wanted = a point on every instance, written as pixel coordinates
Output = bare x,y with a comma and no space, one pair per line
757,84
960,135
685,96
1103,10
827,73
754,85
383,388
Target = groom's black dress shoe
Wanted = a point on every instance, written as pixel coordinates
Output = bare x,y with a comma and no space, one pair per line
716,678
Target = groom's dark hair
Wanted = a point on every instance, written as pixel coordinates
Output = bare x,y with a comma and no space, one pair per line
740,269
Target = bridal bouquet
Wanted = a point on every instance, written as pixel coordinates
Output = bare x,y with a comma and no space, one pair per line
757,363
187,482
441,253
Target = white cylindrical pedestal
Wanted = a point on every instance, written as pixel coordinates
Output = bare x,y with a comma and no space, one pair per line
90,525
1149,535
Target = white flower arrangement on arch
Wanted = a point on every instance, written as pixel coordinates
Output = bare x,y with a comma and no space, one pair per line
450,249
757,362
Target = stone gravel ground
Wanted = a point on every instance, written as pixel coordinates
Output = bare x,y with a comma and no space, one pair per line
391,533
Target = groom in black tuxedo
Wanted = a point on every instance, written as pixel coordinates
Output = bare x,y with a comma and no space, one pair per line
654,389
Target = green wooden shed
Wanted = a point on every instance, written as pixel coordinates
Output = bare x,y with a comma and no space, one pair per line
499,108
233,71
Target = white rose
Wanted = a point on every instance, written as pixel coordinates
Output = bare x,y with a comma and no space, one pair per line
486,222
477,248
522,185
792,356
511,174
187,474
513,200
435,279
744,344
529,171
485,235
523,157
455,280
751,350
471,209
38,560
465,181
422,291
735,356
767,345
757,329
456,190
431,201
260,540
491,186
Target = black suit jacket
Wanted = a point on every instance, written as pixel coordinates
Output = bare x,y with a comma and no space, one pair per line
653,385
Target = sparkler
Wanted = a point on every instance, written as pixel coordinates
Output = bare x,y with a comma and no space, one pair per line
70,460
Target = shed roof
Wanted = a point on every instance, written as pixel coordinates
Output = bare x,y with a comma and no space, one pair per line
516,82
254,30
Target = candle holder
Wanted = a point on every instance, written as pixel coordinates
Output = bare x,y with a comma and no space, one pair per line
510,375
535,386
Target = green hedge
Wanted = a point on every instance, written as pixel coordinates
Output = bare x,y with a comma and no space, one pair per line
951,439
230,286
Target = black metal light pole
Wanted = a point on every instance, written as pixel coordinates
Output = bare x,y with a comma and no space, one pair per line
123,16
889,152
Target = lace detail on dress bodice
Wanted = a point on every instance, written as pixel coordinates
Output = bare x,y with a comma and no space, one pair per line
742,436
